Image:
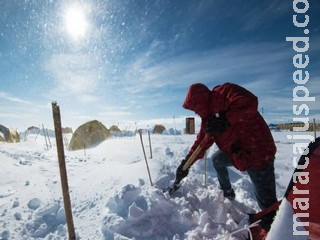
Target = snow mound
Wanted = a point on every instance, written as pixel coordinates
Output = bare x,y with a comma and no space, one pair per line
138,212
48,220
111,195
171,131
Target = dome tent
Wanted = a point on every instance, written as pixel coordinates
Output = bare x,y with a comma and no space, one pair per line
8,135
89,135
114,128
158,128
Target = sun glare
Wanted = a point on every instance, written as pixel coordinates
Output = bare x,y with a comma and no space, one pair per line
76,23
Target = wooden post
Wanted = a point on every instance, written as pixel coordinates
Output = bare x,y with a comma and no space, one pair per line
25,135
315,128
37,134
65,140
45,136
145,158
50,145
150,144
205,170
63,170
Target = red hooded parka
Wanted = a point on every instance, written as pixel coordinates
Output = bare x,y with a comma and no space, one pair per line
247,141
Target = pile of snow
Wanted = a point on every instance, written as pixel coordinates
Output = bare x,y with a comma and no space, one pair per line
111,194
282,227
145,213
171,131
123,133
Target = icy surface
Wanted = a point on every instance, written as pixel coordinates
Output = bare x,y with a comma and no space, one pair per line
111,194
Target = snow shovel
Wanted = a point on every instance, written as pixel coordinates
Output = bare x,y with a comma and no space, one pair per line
176,185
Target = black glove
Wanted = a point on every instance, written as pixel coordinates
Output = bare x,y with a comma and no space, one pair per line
217,124
180,174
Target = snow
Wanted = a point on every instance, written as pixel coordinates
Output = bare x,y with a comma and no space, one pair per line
283,225
111,194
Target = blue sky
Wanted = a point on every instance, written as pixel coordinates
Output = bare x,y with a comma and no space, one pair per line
121,61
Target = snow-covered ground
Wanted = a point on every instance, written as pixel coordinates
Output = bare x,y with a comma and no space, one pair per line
111,194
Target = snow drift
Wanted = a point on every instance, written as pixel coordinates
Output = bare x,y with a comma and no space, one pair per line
111,194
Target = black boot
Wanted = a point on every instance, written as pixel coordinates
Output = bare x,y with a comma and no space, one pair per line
229,194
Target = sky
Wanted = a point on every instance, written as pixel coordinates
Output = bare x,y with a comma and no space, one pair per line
130,61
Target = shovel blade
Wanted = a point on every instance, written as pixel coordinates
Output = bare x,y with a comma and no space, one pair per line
172,189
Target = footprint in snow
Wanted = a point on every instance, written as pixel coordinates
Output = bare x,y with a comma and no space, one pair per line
169,152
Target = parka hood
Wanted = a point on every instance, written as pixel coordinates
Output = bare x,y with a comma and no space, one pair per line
197,99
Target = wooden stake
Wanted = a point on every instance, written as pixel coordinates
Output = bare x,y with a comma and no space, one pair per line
315,128
66,141
45,136
50,145
205,170
145,158
37,134
63,170
150,145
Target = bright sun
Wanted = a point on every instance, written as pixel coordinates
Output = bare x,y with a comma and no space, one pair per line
76,22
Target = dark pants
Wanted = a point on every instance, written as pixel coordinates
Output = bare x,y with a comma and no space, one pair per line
263,179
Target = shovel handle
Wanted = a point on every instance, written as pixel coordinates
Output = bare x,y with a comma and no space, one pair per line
192,157
196,152
176,184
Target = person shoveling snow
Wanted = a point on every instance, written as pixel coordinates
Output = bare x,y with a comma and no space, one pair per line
230,118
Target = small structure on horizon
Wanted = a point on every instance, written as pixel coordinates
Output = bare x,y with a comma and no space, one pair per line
190,125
